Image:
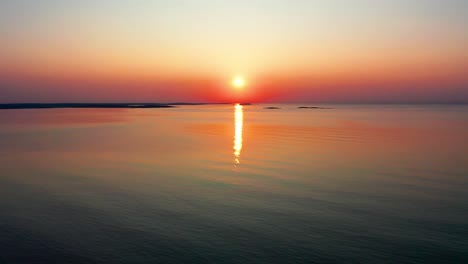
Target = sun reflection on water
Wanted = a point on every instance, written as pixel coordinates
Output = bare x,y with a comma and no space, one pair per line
238,125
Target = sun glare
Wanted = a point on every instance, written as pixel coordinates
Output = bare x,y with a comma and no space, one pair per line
238,82
238,124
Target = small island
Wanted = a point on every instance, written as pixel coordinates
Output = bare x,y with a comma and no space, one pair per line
311,107
271,107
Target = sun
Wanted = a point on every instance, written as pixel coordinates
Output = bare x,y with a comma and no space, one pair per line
238,82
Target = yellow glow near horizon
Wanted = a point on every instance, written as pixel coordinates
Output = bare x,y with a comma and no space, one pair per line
238,125
238,82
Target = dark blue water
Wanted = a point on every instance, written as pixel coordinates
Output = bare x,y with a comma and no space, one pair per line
218,184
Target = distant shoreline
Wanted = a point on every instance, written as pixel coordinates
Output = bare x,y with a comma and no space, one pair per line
95,105
7,106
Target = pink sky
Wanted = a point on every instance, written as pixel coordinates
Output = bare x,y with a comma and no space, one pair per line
288,51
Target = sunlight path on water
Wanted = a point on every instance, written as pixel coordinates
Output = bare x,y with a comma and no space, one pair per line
238,125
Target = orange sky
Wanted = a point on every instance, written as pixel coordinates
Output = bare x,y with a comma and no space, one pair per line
307,51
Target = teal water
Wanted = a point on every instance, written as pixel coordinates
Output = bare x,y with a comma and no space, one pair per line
225,184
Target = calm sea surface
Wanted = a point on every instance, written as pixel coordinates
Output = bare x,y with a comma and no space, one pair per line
235,184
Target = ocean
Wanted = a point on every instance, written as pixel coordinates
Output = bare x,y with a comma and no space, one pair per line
235,184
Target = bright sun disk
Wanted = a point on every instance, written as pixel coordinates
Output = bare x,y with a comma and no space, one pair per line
238,82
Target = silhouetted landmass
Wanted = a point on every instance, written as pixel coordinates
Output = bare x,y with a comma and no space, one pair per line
271,107
83,105
245,103
311,107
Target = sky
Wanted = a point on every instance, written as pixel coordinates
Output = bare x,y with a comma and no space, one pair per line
362,51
